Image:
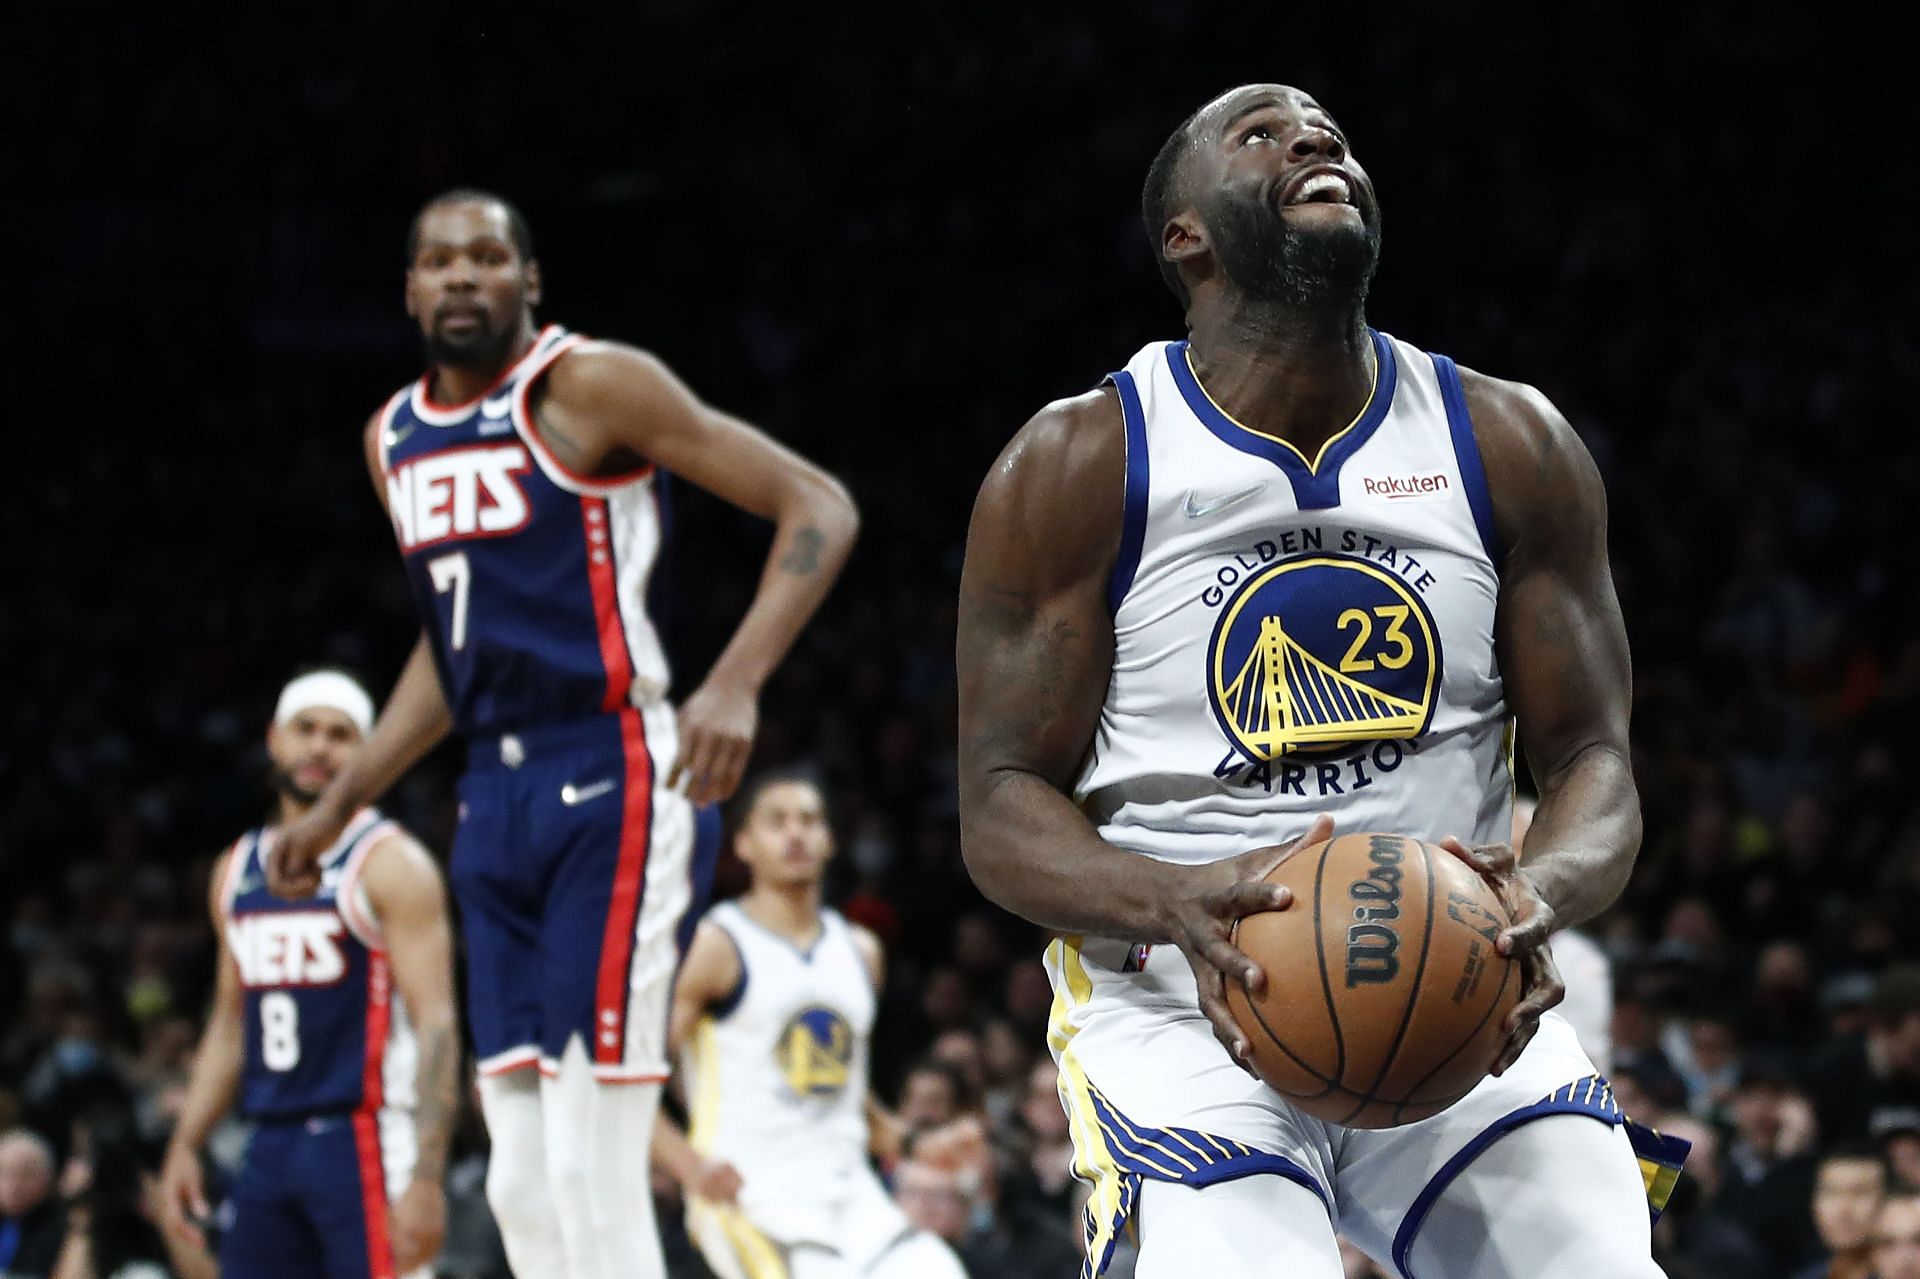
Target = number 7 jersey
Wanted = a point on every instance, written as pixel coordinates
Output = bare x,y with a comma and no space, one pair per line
530,579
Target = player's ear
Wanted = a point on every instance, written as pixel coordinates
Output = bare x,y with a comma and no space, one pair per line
1184,237
413,311
533,282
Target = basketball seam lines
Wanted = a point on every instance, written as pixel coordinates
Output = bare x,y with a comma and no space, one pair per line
1464,1045
1326,984
1413,996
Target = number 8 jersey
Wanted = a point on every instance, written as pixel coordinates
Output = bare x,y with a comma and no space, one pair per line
325,1031
529,578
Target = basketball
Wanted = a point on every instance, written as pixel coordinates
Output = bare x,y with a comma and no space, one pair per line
1385,996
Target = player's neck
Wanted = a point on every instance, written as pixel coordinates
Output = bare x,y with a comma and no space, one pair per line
791,910
456,383
288,810
1300,374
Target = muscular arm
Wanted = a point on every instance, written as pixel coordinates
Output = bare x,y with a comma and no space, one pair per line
607,400
1034,653
216,1067
211,1089
1562,648
885,1132
709,975
403,887
413,722
415,718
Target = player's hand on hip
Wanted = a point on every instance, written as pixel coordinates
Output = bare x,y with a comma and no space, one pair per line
1524,941
419,1224
715,1181
183,1196
717,725
293,859
1202,924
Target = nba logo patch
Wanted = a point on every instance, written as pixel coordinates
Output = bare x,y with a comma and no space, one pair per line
1136,961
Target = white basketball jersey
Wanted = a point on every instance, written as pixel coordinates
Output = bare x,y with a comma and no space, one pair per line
1296,636
780,1078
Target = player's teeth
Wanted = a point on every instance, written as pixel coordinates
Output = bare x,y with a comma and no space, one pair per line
1318,184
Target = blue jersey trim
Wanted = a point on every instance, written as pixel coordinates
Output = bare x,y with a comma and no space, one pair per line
1591,1097
1133,532
1188,1156
1466,452
1315,487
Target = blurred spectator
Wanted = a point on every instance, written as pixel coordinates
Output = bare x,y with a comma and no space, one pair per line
1847,1193
933,1093
31,1225
1696,1237
111,1227
1896,1237
1854,1080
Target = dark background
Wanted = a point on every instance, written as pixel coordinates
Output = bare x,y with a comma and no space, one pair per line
889,241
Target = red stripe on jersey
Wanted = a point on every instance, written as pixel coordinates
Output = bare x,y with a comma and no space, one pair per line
373,1195
623,911
379,1017
606,603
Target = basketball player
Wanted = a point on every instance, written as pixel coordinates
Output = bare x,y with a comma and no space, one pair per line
1290,574
523,475
772,1015
332,1024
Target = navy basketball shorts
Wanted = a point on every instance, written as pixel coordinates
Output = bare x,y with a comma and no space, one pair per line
579,876
312,1198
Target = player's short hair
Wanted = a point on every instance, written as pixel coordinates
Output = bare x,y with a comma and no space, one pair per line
1160,194
965,1100
760,783
517,228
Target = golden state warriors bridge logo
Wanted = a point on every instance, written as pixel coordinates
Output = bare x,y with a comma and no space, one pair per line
1320,652
815,1052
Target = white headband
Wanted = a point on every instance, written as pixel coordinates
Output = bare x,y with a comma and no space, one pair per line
329,689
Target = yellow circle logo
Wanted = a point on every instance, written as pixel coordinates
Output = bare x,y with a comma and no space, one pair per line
1319,652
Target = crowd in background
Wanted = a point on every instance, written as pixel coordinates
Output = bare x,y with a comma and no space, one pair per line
891,256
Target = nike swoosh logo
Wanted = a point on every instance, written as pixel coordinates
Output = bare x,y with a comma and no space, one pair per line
1198,510
496,408
394,437
571,794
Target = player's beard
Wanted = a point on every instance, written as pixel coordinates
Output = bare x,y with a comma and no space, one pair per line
1275,263
284,784
481,349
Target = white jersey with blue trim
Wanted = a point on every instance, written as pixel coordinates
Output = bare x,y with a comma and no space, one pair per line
779,1077
1294,637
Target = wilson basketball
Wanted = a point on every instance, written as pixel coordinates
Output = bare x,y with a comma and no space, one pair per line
1385,995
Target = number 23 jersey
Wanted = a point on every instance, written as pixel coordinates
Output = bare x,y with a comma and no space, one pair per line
530,579
1296,635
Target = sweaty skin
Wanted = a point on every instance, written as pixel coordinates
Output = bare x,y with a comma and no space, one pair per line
1036,641
601,408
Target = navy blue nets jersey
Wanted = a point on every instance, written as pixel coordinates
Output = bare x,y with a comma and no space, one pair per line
531,580
325,1033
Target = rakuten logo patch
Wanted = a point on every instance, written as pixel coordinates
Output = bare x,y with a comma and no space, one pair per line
1399,487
